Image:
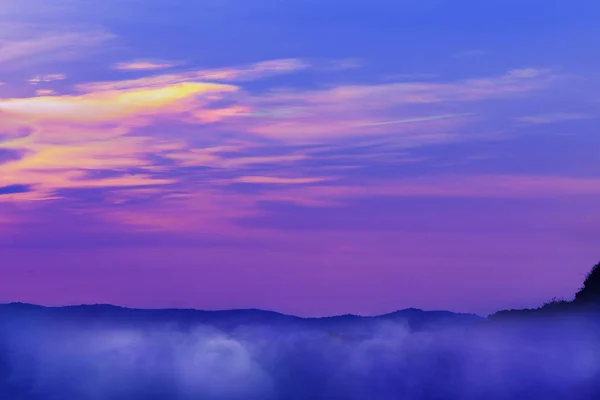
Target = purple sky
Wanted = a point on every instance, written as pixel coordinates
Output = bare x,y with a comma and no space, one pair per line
309,157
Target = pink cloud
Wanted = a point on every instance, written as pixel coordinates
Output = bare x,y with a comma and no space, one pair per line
552,118
47,78
358,110
73,135
86,132
467,186
141,65
277,180
45,92
248,72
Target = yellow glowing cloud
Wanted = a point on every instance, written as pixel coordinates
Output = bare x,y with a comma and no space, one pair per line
110,105
117,153
74,134
45,184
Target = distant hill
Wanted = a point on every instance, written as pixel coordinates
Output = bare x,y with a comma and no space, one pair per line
587,299
226,320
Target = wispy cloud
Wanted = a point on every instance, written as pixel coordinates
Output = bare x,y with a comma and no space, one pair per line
277,180
443,186
141,65
110,138
47,78
45,92
241,73
111,105
552,118
325,114
74,134
27,45
417,119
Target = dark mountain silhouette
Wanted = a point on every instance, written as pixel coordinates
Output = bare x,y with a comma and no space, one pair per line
227,320
586,301
589,294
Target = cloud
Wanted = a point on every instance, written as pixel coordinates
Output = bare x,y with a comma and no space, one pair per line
211,157
47,78
552,118
248,72
176,144
416,119
141,65
25,45
113,105
277,180
525,73
74,134
45,92
323,115
36,33
449,186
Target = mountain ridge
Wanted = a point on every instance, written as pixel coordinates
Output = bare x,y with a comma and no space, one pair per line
108,306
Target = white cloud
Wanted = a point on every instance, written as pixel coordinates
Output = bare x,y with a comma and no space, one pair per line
47,78
44,45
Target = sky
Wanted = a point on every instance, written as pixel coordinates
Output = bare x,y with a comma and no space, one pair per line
308,157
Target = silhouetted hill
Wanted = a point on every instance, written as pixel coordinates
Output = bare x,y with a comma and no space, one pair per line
586,302
85,315
589,294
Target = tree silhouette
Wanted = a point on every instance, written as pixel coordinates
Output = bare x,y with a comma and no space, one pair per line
588,297
590,292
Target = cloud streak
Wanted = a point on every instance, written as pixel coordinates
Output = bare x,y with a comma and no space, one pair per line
143,66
